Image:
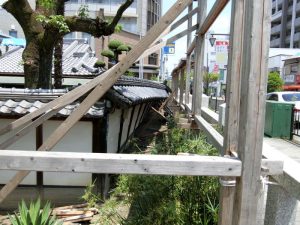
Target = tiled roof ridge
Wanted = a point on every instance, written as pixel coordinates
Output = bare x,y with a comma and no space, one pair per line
134,81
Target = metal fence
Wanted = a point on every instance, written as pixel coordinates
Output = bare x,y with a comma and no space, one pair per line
296,122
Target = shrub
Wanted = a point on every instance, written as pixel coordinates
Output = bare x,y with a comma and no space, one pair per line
156,200
99,64
275,83
108,53
114,44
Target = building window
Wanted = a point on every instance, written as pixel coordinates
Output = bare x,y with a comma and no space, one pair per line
154,12
13,33
153,59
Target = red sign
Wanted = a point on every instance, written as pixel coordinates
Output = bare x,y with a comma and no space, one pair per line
222,43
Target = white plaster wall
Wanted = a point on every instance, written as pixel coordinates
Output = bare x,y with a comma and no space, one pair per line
127,115
113,131
134,118
25,143
78,139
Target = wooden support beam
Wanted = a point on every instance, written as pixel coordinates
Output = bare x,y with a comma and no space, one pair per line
15,137
212,15
209,20
214,136
103,82
119,163
256,40
231,131
181,86
188,59
199,66
161,44
188,17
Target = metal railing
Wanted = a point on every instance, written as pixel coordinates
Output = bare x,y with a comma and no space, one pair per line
296,122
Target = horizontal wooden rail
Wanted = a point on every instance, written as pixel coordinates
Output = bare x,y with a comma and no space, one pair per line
119,163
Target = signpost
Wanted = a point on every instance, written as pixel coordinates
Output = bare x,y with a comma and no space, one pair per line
169,49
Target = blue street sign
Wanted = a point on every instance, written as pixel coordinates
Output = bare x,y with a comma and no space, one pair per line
169,49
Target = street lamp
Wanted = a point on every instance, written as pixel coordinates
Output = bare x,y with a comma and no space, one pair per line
212,40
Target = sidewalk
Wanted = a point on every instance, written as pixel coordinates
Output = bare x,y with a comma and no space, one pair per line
286,147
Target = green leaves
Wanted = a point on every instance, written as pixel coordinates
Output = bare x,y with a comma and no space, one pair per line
275,83
34,215
83,11
56,21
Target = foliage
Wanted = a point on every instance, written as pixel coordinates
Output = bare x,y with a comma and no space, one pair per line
116,48
34,215
129,74
57,21
114,44
123,48
157,200
118,28
89,196
207,79
210,77
47,4
275,83
99,64
83,11
108,53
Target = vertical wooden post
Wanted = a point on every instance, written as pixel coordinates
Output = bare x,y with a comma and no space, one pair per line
182,89
199,67
175,77
188,59
256,40
232,105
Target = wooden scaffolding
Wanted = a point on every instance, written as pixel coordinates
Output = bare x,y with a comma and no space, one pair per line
240,160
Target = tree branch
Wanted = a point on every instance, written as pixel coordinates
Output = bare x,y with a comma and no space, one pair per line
119,14
21,10
97,27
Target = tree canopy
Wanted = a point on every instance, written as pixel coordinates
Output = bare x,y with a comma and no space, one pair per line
275,82
45,25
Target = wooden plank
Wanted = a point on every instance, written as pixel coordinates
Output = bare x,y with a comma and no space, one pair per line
212,15
188,59
161,44
119,163
199,66
256,40
214,136
188,17
104,82
181,86
28,128
191,47
231,130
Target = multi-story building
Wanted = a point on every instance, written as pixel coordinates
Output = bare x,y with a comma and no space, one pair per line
285,31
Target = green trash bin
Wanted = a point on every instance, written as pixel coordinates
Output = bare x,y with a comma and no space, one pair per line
278,119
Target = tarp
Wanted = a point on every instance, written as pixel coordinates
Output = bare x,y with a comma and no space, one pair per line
13,42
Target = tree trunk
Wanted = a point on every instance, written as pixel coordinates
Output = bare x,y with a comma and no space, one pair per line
45,75
31,64
58,52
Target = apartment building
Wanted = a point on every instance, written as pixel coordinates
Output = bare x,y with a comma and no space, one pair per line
285,31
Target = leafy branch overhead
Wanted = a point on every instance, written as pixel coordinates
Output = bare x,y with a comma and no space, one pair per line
45,25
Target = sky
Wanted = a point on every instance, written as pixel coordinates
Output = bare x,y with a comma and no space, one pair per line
221,25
